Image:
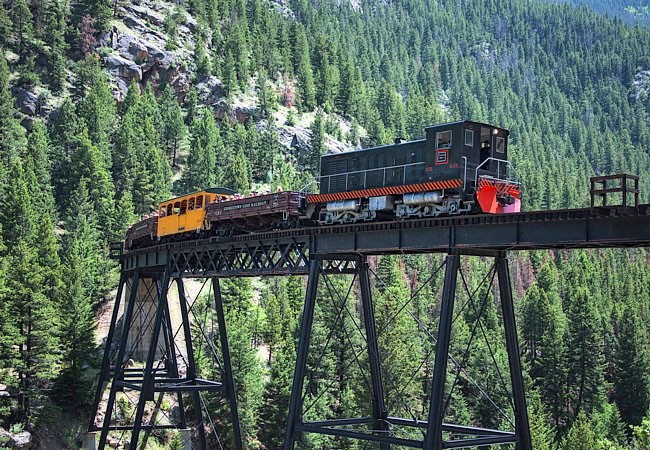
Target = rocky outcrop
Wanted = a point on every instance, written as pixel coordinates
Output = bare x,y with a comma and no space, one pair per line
123,67
26,101
16,441
298,139
640,85
140,49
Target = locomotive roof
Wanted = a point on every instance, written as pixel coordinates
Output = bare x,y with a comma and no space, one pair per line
442,125
218,190
466,121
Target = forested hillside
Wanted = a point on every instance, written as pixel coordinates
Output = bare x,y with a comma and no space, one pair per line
107,108
637,11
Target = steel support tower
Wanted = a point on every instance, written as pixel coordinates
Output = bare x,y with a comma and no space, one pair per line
378,426
167,369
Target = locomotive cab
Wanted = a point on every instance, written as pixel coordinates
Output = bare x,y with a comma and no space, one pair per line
488,175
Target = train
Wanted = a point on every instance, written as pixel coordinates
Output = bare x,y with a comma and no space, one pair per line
458,168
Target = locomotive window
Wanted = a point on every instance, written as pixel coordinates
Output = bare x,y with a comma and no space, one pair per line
190,204
183,207
199,202
501,145
443,139
163,211
170,209
177,207
469,137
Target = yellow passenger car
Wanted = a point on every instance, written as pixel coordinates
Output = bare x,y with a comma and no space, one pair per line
186,214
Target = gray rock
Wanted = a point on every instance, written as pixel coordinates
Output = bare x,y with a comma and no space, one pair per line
26,101
191,23
124,42
244,112
122,88
138,51
17,441
22,440
120,66
135,23
146,13
210,90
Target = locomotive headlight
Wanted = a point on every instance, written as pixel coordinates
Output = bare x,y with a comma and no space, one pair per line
495,132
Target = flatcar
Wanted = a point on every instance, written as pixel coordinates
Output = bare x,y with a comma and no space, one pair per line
216,212
459,168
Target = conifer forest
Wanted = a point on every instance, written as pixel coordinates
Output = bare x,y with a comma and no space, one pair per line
108,107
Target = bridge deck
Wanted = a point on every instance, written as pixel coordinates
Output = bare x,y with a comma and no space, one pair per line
288,251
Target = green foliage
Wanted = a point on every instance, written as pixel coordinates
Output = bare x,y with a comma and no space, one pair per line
237,175
581,436
317,143
632,368
12,135
97,109
22,21
139,163
77,328
204,167
173,128
641,434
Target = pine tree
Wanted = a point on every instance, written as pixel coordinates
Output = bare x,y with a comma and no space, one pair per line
173,128
55,31
631,368
317,143
201,58
100,10
237,296
89,164
124,216
17,214
237,175
399,351
82,230
581,435
64,137
229,74
266,98
124,154
98,110
206,148
275,407
37,151
306,90
191,105
32,311
22,20
585,343
77,329
12,134
8,337
35,319
540,432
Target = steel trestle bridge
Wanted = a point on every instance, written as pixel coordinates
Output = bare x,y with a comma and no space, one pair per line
149,274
